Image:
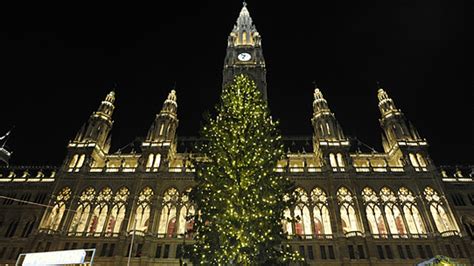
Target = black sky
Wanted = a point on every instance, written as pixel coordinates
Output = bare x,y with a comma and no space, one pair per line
52,81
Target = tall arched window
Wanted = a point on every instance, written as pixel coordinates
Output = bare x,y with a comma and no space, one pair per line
149,162
168,217
28,227
142,213
322,222
392,213
73,161
332,160
54,217
118,212
301,214
81,217
12,228
421,160
340,160
156,164
415,223
444,222
186,219
413,160
99,215
244,37
81,160
373,213
349,219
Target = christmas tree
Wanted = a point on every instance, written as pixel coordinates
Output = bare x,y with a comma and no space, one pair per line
240,198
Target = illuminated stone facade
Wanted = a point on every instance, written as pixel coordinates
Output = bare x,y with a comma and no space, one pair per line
392,207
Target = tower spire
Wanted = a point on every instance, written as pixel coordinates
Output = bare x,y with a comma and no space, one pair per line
166,122
324,122
393,121
100,123
244,52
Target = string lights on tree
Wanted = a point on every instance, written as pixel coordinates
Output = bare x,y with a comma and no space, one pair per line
239,196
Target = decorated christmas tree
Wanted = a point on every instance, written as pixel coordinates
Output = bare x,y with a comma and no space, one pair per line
240,198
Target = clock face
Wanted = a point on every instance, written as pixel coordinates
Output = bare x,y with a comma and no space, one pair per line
244,56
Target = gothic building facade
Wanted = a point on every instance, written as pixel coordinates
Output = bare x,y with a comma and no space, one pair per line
393,207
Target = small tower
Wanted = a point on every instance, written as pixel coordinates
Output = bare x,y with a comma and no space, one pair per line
244,53
400,138
393,121
160,143
92,141
329,140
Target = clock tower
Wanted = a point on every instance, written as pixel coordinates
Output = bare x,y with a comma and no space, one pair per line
244,53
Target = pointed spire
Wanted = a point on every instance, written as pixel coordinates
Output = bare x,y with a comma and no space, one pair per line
166,122
244,19
107,107
244,31
111,97
386,104
319,104
325,123
170,105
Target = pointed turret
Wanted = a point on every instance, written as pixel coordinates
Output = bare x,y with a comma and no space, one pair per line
393,121
325,124
244,52
92,142
160,143
100,122
400,138
244,32
166,122
329,140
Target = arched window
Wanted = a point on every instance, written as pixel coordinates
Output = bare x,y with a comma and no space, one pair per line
415,223
392,213
142,213
12,228
349,219
340,160
168,213
413,160
81,161
118,212
73,161
322,222
244,37
99,216
81,217
28,227
156,164
149,162
444,222
332,160
301,214
373,213
54,217
186,219
421,160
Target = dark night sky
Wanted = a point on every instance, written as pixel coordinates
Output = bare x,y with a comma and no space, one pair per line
52,81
